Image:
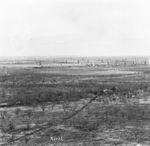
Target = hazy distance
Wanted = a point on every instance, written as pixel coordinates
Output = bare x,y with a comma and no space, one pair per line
74,28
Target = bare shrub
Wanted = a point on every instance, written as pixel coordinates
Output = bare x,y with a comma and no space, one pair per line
17,111
66,107
74,107
29,113
43,107
3,93
11,125
28,125
51,107
12,138
3,114
26,140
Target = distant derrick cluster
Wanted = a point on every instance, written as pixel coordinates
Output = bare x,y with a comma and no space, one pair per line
120,62
76,61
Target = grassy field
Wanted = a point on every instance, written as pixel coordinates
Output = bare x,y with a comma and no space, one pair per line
74,104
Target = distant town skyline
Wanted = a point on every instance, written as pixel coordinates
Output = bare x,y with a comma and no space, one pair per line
74,28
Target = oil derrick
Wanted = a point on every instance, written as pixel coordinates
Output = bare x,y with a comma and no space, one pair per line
116,62
78,61
145,62
125,62
108,63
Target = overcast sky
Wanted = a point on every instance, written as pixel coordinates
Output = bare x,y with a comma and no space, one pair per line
74,27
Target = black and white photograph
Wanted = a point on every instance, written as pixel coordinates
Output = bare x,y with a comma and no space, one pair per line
74,73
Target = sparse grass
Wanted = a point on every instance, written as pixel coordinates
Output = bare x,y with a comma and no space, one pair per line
43,92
